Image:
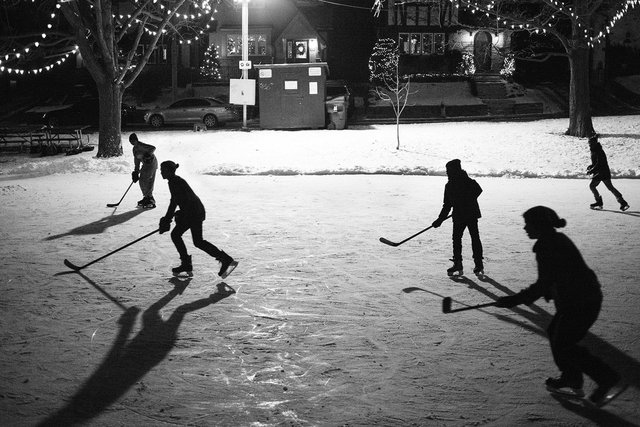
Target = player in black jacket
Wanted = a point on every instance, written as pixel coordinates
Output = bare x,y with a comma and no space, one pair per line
564,277
461,194
190,216
599,168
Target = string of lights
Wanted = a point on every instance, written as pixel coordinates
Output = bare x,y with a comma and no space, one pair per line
16,55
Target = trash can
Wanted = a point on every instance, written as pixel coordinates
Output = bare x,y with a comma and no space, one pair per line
336,113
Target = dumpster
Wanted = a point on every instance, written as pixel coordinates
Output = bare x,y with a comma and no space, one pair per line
292,96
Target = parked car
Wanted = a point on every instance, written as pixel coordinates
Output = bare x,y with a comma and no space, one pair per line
69,109
212,112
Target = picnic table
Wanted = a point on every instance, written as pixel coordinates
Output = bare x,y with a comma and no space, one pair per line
45,139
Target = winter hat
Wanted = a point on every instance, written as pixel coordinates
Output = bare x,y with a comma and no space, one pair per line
454,165
545,216
133,137
169,165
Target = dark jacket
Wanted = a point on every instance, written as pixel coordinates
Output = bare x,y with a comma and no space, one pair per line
599,166
182,196
563,276
461,194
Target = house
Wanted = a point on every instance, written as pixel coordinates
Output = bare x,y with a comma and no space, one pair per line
432,34
280,31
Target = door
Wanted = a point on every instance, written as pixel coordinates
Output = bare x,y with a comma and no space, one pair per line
482,50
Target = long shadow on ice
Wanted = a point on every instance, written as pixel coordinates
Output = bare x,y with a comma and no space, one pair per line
630,213
538,320
129,360
99,226
597,416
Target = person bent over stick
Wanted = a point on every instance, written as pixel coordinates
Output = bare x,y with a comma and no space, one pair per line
564,277
190,216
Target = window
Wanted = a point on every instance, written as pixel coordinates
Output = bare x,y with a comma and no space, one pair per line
426,12
415,44
421,43
257,44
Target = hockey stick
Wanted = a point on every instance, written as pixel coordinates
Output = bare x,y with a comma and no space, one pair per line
446,306
394,244
113,205
77,268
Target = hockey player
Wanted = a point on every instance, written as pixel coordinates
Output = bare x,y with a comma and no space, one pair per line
461,194
599,168
564,277
190,216
145,166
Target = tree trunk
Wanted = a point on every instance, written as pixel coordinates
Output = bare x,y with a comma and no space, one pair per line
580,123
109,143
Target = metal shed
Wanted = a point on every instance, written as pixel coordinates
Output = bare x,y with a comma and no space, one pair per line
292,96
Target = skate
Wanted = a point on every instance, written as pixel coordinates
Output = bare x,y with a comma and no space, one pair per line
184,267
604,394
227,264
598,204
149,203
142,201
565,387
456,269
623,204
478,269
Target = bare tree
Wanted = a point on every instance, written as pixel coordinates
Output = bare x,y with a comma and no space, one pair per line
108,34
384,68
577,25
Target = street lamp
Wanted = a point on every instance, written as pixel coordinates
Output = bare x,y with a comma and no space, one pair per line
244,64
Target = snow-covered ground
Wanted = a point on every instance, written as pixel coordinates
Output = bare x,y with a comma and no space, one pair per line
327,326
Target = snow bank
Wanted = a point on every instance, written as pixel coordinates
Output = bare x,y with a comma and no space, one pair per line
508,149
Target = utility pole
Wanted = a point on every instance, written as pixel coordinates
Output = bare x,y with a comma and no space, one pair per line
245,52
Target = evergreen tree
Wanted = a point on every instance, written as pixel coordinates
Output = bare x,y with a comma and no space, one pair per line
210,68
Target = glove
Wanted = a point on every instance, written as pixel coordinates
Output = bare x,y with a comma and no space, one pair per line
165,224
135,175
507,302
437,223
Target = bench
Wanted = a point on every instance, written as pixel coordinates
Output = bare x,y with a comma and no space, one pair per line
17,137
70,134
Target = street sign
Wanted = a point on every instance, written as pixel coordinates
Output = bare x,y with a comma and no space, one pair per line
245,65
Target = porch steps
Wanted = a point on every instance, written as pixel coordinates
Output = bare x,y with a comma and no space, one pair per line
492,90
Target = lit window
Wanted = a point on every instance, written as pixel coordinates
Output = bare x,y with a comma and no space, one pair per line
257,44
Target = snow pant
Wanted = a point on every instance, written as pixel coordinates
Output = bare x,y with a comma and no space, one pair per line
147,177
458,230
607,182
182,225
565,332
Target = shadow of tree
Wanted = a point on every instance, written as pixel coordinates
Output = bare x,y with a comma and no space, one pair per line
619,135
129,360
100,225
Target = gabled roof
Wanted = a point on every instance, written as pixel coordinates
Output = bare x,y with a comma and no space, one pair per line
299,22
